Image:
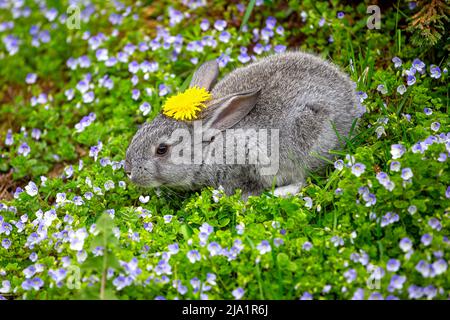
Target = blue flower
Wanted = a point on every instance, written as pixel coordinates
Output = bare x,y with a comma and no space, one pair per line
193,256
31,189
426,239
24,149
430,291
244,57
393,265
6,243
195,283
223,60
339,164
388,219
148,226
278,242
279,48
405,244
306,296
442,157
337,241
57,275
204,25
182,289
396,283
350,275
238,293
31,78
77,239
435,126
98,251
35,283
407,174
133,66
122,281
410,80
102,54
266,34
220,25
307,246
81,256
397,150
206,228
163,90
214,248
131,268
135,94
358,169
382,89
6,286
173,248
418,65
163,267
33,257
397,62
9,140
401,89
359,294
439,266
240,228
271,22
428,111
424,268
435,71
5,227
370,199
395,166
224,36
88,97
308,202
264,247
12,44
322,22
415,292
84,62
435,224
211,279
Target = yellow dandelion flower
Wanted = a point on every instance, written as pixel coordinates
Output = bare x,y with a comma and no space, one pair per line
186,105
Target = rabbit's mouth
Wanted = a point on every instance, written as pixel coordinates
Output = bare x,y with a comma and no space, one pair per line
145,182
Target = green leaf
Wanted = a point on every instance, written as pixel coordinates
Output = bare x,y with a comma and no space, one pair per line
247,14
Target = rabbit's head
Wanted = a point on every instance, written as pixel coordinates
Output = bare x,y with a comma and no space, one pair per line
160,154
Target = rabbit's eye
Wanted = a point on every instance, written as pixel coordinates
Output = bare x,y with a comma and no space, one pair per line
162,149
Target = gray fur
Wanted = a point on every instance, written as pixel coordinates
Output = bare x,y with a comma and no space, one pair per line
297,93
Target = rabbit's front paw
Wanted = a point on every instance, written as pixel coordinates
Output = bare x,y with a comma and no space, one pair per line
285,191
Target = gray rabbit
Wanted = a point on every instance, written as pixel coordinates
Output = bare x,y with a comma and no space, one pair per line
295,96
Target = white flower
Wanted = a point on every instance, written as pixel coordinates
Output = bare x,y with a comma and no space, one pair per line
397,150
308,202
31,189
77,239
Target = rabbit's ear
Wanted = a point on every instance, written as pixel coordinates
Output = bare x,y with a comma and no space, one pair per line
206,75
231,110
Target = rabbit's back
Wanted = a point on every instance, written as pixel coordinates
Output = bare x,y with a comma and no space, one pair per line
301,96
288,81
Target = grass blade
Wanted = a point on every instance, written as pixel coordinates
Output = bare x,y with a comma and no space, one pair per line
247,14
